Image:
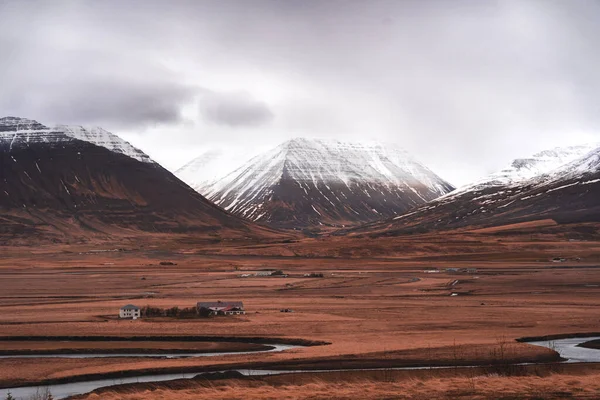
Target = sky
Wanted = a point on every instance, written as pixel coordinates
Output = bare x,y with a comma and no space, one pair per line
465,86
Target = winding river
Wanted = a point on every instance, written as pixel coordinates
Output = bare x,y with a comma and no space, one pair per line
567,348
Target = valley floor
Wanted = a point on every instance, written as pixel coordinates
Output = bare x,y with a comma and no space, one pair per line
375,312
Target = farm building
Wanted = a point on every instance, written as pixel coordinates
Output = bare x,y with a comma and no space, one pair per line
222,307
129,311
264,273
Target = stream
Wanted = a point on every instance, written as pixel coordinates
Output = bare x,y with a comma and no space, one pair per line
567,348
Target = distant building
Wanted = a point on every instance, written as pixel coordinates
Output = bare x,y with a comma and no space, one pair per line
264,273
129,311
222,307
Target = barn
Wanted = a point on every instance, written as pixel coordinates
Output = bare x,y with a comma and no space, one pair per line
221,307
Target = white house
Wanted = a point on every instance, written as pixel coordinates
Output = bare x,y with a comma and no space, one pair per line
129,311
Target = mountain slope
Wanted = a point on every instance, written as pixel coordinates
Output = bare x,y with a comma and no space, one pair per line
55,183
100,137
210,167
567,194
522,169
304,183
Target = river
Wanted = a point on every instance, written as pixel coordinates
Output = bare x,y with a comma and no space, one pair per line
567,348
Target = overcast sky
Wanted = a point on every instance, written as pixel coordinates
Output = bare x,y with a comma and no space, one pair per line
463,85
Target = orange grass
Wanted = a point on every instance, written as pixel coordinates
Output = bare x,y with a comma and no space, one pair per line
478,387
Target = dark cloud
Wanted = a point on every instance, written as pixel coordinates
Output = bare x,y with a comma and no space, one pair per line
234,109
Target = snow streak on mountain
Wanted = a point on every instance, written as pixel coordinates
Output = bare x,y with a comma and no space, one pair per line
306,182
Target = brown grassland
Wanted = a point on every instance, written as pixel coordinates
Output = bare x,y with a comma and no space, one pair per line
375,305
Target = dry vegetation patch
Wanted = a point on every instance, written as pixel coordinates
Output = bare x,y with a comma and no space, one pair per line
461,384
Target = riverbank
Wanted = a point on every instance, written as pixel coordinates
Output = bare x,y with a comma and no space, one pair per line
527,339
90,346
592,344
544,382
497,355
165,338
96,349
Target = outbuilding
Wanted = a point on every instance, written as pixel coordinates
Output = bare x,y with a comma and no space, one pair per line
221,307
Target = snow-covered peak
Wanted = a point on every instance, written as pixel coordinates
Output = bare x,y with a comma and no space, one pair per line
543,162
588,164
103,138
525,169
16,124
330,162
211,166
16,131
314,182
334,160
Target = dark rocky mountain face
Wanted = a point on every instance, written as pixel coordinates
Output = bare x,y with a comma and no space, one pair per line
54,184
293,204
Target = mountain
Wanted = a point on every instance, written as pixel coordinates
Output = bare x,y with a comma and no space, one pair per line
306,183
562,185
100,137
522,169
210,167
65,182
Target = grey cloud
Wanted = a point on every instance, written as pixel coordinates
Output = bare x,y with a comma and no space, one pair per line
234,109
111,103
477,81
83,89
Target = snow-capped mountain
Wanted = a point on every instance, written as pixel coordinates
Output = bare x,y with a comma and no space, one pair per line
15,130
565,188
101,137
523,169
306,182
66,182
578,169
210,167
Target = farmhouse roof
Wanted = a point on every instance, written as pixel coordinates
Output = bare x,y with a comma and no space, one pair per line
130,307
220,304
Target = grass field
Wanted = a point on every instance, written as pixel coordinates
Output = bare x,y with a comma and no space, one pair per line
377,310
